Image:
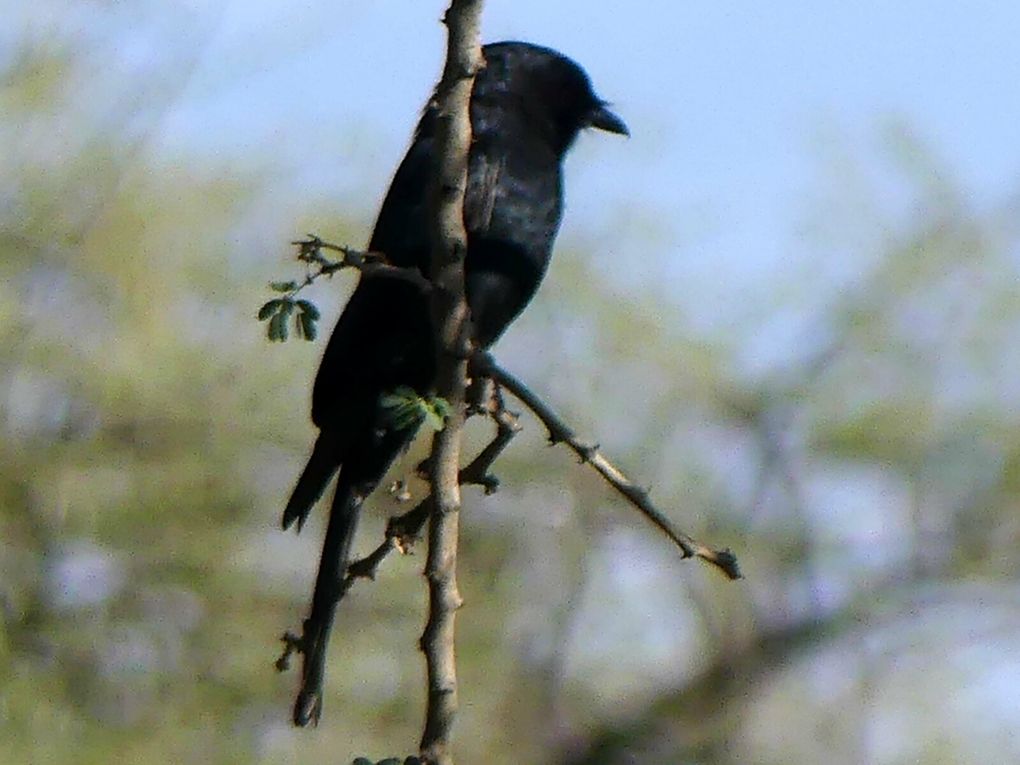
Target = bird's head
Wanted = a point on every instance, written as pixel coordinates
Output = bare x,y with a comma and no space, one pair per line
552,92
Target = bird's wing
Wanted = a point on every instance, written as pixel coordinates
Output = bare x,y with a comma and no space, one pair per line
485,170
401,230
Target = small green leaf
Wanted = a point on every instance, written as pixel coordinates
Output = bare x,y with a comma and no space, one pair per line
278,327
308,308
435,411
362,761
307,324
398,397
391,401
406,418
441,405
403,408
269,309
283,286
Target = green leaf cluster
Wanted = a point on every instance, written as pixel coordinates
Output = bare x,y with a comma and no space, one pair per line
405,409
278,312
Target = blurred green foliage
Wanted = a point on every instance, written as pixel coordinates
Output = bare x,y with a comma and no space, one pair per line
868,475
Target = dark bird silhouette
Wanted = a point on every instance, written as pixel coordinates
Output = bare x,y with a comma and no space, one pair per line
527,106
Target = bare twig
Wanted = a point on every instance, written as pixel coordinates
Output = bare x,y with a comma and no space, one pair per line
450,318
507,426
560,432
310,252
278,311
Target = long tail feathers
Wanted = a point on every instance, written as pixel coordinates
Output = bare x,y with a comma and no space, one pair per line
310,486
343,521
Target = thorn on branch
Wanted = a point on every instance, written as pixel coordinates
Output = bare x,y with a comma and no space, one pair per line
291,644
489,484
726,561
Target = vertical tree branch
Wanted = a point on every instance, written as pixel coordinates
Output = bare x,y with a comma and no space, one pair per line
450,318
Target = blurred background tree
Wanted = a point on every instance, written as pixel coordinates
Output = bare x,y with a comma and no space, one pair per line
852,433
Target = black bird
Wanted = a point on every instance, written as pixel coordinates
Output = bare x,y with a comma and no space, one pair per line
527,106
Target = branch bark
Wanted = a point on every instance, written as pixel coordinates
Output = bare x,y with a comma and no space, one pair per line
450,318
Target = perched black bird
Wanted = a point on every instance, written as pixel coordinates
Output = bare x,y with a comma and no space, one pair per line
527,107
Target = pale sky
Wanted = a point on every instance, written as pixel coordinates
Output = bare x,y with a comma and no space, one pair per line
744,116
738,110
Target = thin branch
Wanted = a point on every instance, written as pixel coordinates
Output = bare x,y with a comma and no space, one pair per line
507,426
310,252
278,311
450,319
560,432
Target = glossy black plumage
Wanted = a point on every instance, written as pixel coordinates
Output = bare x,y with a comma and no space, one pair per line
528,105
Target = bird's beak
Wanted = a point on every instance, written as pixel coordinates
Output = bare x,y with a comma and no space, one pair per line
602,118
